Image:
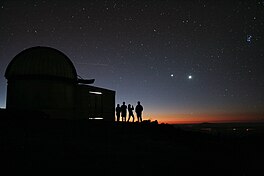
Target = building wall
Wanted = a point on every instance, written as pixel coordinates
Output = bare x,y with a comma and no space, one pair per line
51,96
60,99
92,104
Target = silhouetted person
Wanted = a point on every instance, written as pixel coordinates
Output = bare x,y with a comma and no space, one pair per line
123,112
130,112
139,109
118,111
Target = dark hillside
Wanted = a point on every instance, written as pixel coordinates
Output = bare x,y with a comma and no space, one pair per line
129,149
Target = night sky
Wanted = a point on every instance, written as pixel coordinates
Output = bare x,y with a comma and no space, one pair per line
186,61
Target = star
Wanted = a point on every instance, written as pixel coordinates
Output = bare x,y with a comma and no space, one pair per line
172,75
190,77
249,38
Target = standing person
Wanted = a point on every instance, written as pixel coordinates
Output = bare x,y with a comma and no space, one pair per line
123,112
130,112
139,109
118,111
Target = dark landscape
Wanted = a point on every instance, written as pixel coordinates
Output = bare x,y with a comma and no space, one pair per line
111,148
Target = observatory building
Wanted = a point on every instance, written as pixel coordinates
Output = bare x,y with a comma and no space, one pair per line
44,79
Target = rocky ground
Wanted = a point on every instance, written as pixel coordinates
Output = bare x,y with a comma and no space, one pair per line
126,148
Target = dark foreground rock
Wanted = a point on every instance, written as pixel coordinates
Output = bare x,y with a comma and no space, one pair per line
126,149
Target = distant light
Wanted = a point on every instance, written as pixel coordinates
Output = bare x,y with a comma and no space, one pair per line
234,129
96,118
172,75
190,77
249,38
97,93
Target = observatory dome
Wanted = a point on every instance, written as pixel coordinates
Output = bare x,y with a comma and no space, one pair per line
41,62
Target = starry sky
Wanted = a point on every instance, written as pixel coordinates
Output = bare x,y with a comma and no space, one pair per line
186,61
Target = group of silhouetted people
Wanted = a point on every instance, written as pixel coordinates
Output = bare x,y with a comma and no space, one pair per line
121,111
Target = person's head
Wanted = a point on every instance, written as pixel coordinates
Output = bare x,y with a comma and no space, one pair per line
118,105
124,103
129,105
138,102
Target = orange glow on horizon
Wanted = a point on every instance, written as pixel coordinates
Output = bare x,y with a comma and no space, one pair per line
209,118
